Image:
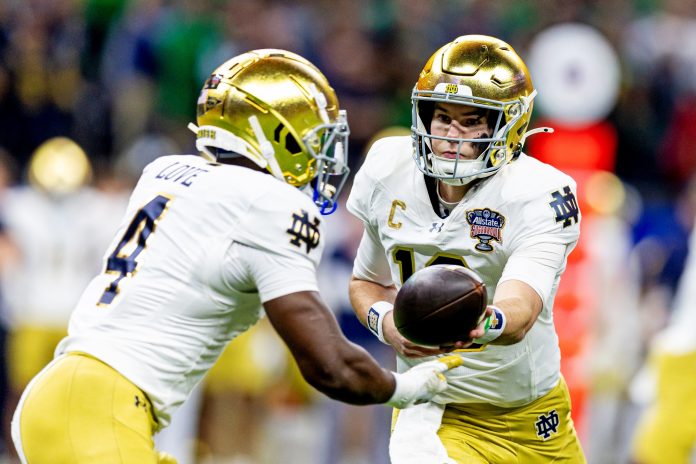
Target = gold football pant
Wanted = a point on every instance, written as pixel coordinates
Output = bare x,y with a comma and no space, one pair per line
541,431
79,410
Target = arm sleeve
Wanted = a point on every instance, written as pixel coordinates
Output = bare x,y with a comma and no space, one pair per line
371,261
541,246
537,265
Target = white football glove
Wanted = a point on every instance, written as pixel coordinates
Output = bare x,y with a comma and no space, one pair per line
420,383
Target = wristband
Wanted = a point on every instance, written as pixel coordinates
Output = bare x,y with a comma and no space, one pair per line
375,318
494,326
401,398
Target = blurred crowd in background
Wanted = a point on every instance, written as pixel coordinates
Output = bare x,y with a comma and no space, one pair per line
92,90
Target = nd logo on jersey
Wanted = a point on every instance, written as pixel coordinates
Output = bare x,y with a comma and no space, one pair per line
304,230
565,206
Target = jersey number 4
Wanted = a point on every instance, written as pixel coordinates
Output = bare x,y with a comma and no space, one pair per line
123,260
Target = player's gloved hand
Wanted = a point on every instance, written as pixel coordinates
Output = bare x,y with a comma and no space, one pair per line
420,383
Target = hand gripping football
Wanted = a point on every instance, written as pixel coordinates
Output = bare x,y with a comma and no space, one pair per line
440,304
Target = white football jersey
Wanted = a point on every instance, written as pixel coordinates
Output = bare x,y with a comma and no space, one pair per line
60,240
201,247
519,224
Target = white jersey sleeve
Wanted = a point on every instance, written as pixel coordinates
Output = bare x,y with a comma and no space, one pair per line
549,230
371,261
285,246
360,201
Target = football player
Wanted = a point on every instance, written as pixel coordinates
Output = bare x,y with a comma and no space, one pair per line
666,431
460,190
207,245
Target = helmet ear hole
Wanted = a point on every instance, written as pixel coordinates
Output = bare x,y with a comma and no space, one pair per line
222,154
284,138
292,145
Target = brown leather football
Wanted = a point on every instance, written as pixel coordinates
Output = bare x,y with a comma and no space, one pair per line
440,305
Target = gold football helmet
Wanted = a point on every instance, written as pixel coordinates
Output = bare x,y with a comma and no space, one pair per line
277,109
59,166
478,71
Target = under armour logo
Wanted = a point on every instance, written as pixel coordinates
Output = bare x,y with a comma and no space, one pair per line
304,230
140,403
547,424
565,206
437,227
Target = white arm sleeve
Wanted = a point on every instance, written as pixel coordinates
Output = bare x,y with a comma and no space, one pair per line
371,260
540,247
538,266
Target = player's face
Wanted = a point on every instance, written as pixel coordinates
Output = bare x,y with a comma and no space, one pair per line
458,122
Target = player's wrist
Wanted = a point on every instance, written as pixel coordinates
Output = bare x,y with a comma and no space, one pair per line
375,318
412,387
402,396
422,382
494,325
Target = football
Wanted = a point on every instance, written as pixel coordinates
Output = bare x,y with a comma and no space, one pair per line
440,304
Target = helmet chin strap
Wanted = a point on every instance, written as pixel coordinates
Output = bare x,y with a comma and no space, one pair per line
266,148
320,100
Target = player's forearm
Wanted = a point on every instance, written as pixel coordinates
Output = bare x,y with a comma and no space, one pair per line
327,359
352,378
521,306
364,293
